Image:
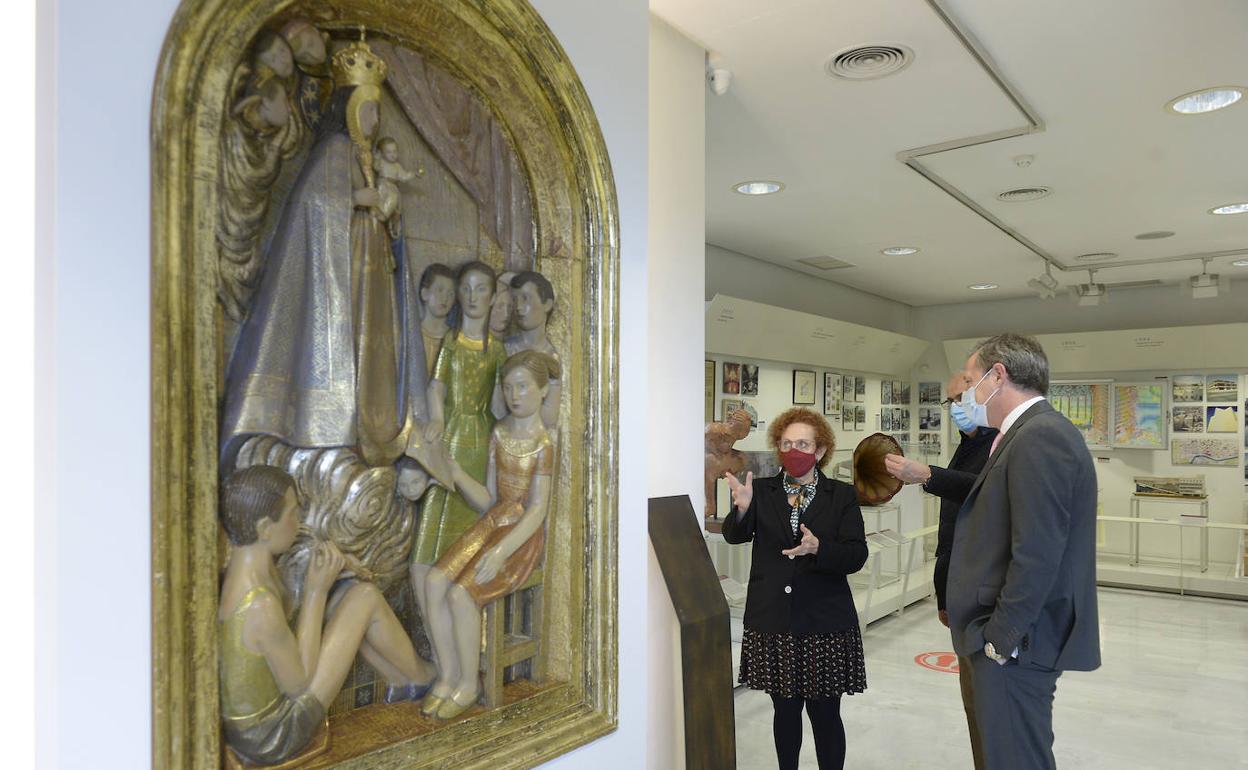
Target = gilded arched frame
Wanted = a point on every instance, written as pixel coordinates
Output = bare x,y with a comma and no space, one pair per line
505,53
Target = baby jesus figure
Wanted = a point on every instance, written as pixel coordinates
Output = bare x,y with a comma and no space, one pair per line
389,173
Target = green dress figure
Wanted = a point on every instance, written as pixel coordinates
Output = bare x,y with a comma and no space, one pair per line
469,369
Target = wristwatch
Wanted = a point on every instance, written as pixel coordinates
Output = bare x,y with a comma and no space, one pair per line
991,652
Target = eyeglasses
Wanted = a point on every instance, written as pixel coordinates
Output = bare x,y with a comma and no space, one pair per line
801,445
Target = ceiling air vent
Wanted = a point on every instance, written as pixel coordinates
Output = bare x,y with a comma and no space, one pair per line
868,62
1098,256
825,263
1023,194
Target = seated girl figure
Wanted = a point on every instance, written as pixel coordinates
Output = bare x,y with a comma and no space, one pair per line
500,551
276,684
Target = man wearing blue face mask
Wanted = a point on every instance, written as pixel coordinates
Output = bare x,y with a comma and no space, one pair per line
1022,575
951,485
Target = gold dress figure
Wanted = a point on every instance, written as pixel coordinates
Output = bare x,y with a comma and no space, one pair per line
516,462
466,378
498,553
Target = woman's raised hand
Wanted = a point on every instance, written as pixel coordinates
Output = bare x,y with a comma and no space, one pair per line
742,494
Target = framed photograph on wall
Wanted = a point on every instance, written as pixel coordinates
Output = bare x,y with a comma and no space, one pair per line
1139,415
1086,403
732,378
929,392
847,389
832,393
1187,419
729,405
803,387
1223,388
752,412
860,389
886,392
749,379
1187,388
847,417
1222,419
860,417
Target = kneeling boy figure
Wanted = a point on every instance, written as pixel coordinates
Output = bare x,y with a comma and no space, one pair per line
277,683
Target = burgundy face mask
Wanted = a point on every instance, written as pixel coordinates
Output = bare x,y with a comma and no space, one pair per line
797,463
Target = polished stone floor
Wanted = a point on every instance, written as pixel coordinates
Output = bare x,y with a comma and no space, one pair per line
1172,693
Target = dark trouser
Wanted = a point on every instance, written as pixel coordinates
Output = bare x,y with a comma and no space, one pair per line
825,722
966,681
1014,711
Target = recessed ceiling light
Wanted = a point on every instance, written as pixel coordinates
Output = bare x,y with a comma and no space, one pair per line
1206,100
982,286
1154,235
1231,208
1240,263
759,187
898,251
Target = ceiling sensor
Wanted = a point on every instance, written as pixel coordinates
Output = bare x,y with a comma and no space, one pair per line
1098,256
1023,194
869,62
1154,235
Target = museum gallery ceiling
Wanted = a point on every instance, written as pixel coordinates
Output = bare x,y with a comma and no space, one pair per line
1096,79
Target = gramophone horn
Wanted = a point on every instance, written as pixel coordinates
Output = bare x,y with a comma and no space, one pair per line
872,481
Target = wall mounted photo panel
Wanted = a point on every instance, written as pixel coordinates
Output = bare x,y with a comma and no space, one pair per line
803,387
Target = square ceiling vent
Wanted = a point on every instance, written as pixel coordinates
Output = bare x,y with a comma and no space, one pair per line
825,263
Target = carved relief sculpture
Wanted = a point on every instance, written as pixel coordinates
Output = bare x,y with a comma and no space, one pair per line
362,209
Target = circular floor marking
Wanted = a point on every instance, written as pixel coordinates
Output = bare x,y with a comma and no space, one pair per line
946,662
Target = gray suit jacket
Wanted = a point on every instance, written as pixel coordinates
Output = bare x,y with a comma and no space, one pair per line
1023,569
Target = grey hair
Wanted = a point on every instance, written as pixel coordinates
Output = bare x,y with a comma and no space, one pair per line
1023,358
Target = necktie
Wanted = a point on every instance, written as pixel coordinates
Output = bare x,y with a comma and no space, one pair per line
995,441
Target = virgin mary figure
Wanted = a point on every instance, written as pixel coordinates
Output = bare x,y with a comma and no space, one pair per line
331,353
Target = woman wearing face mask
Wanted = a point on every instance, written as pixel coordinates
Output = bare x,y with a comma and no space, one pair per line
951,485
801,644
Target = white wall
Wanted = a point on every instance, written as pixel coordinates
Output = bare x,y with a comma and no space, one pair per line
93,524
93,567
676,265
607,43
677,201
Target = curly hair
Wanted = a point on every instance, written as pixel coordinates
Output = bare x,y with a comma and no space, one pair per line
824,437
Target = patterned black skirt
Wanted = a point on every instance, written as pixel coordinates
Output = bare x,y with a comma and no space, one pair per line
814,666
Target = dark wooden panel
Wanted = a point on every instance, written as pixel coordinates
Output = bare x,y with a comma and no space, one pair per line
705,644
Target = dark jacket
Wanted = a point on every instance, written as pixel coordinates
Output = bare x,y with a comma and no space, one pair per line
1023,570
807,594
951,485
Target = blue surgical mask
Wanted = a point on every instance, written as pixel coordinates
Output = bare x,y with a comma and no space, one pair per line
961,418
978,412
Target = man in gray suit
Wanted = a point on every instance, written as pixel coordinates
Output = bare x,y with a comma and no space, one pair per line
1022,576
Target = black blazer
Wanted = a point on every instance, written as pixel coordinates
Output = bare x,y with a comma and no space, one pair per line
807,594
1023,570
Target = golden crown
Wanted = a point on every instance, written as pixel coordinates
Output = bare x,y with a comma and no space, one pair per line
357,65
